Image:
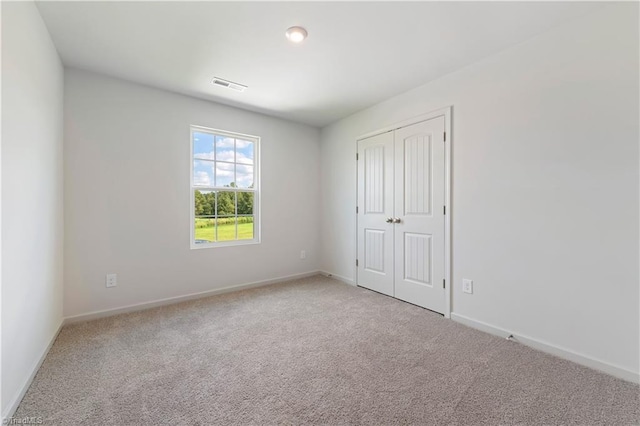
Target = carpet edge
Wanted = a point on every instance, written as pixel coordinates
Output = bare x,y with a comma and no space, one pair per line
569,355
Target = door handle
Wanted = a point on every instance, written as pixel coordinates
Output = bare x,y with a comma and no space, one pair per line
389,220
396,220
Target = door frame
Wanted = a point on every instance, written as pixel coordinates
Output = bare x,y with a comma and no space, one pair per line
442,112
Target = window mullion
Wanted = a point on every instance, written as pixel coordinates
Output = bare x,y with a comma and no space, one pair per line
221,188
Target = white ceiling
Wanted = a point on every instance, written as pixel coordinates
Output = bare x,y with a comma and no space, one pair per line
357,54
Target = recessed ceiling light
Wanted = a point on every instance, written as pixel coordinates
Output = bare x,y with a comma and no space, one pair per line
228,84
296,34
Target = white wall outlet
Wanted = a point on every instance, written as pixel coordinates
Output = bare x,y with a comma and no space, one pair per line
303,254
467,286
112,280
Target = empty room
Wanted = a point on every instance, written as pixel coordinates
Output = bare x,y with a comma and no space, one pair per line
328,213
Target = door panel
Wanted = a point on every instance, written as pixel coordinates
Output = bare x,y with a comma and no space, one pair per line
374,252
375,204
374,194
417,258
419,200
417,174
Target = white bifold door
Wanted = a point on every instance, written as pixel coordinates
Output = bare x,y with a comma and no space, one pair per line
401,213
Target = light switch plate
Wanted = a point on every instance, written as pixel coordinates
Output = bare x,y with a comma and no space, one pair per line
467,286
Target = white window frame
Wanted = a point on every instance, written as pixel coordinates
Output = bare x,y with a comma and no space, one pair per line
256,188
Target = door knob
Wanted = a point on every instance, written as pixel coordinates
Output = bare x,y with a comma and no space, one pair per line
389,220
396,220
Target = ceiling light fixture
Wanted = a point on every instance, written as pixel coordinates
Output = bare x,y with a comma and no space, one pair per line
296,34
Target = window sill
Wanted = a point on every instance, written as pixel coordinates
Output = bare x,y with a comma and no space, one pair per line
199,246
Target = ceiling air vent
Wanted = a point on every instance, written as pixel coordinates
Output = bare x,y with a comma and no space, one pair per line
229,84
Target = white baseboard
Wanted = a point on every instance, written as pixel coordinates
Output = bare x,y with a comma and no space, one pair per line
15,402
339,278
177,299
549,348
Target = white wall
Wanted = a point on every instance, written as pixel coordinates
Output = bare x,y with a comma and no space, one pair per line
32,216
545,185
127,196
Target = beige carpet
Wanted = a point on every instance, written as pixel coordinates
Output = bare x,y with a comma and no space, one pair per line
312,351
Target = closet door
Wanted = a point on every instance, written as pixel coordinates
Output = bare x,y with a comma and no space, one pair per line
420,222
375,212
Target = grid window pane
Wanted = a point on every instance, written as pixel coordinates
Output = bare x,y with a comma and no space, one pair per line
203,145
226,203
225,149
203,173
204,230
244,151
245,203
204,203
244,176
225,174
226,228
246,227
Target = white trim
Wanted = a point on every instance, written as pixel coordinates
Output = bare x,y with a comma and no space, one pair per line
355,219
13,405
221,132
447,217
230,243
338,278
587,361
177,299
445,112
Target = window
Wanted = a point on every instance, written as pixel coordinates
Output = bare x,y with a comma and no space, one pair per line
224,188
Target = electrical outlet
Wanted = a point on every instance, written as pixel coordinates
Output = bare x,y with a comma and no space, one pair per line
112,280
303,254
467,286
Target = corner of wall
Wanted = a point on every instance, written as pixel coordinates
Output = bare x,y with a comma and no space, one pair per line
32,140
